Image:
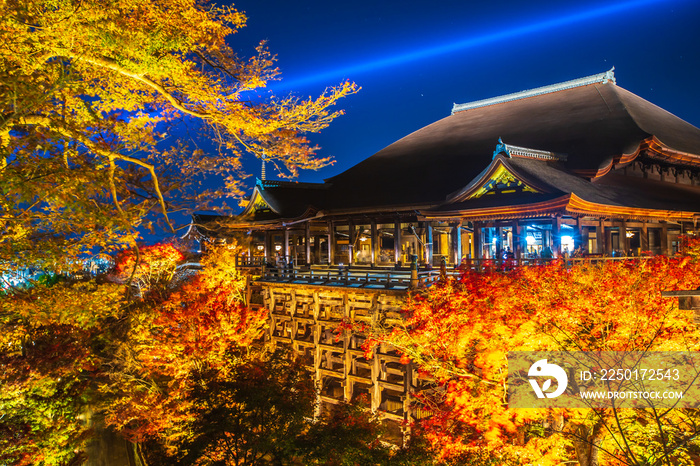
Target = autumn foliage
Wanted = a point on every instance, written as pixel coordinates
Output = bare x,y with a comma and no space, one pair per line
458,334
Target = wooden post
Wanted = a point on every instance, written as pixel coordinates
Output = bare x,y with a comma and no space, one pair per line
331,243
519,243
477,240
374,243
268,245
644,237
578,238
556,235
351,242
307,239
664,238
397,241
600,237
456,244
285,247
624,240
428,243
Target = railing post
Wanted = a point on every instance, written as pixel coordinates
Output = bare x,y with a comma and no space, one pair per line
414,272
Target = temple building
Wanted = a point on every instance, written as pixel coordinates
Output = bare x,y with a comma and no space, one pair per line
582,167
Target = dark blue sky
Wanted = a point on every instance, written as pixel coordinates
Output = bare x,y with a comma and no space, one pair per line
414,59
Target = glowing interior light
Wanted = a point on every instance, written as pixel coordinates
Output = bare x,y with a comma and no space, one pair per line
278,247
261,247
530,240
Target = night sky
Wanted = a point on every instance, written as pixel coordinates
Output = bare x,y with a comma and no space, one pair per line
415,59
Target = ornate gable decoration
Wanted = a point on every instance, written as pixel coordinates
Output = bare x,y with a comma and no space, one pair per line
501,181
525,153
257,202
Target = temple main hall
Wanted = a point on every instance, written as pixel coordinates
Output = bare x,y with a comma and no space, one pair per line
582,168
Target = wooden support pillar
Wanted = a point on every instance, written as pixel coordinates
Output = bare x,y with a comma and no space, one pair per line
578,238
519,241
600,237
608,239
428,243
285,247
556,236
307,242
456,243
331,243
318,378
351,242
644,237
624,240
664,238
374,242
397,242
477,240
268,246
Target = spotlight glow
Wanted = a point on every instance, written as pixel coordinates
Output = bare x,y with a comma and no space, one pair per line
502,34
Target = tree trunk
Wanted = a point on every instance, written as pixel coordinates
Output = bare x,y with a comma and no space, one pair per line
586,441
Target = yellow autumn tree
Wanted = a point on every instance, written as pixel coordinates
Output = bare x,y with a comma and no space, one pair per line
89,94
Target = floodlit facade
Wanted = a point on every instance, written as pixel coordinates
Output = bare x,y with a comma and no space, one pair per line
578,169
582,167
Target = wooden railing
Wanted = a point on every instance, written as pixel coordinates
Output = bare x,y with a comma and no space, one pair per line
401,278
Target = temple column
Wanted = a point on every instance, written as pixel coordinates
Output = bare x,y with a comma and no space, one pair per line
375,243
428,253
624,240
578,238
644,237
285,247
664,238
519,243
331,242
600,237
397,241
268,246
351,242
307,242
456,243
477,240
556,236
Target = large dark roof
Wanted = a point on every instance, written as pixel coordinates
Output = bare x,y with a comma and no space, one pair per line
592,124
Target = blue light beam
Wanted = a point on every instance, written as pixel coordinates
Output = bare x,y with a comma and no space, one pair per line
464,44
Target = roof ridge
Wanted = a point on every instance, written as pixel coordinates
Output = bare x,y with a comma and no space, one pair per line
608,76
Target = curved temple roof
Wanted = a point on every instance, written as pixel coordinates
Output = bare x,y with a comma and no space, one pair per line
589,125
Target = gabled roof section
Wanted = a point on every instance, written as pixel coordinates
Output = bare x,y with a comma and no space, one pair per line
499,178
283,200
608,76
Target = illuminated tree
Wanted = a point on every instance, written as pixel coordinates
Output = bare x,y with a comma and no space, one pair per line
49,364
461,331
91,98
